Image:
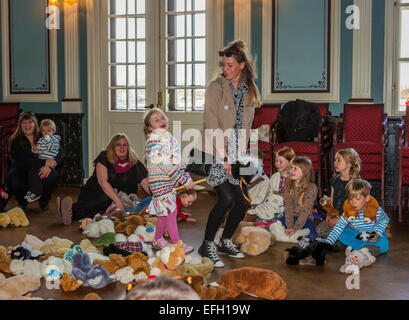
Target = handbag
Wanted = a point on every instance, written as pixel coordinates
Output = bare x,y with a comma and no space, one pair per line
199,162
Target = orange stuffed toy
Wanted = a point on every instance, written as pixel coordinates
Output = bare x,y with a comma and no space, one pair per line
369,214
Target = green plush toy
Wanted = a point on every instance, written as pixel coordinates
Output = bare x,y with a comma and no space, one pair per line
106,239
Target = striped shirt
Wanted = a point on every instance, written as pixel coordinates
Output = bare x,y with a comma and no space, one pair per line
359,225
48,146
164,163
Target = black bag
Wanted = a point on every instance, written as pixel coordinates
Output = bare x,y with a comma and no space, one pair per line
199,162
298,121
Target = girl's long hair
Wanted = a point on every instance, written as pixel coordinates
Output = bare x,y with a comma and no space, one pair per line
18,134
308,176
352,157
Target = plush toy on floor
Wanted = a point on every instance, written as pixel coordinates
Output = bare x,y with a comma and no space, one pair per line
95,229
5,259
255,240
204,269
278,230
17,287
208,292
14,217
360,258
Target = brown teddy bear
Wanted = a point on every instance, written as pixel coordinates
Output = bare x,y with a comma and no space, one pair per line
115,262
129,225
5,259
242,224
139,263
208,292
203,269
326,204
15,217
68,283
262,283
16,288
255,240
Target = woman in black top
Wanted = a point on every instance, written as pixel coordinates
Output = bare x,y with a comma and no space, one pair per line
116,167
22,141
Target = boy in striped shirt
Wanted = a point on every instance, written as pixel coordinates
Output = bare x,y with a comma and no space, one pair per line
348,229
46,148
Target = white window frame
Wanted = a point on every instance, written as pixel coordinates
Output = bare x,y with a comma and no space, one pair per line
333,95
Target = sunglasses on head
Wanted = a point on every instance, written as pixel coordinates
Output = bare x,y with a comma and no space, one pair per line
27,114
228,53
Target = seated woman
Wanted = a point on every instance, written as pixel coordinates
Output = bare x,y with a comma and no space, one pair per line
22,141
116,167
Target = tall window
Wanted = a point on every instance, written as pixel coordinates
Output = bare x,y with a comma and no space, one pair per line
127,54
185,54
403,56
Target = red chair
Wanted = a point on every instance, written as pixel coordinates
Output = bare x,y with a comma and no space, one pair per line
403,163
317,151
9,114
266,115
364,129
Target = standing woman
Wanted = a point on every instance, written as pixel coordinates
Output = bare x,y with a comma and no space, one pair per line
230,102
22,141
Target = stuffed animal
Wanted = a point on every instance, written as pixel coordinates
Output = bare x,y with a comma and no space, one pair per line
204,269
360,258
236,233
93,276
95,229
278,230
5,259
316,250
146,233
168,259
57,245
54,265
116,262
15,217
369,214
365,236
25,252
92,296
129,225
208,292
255,240
15,288
87,246
35,242
68,283
139,263
85,222
106,239
133,244
18,267
326,204
262,283
126,275
113,248
270,209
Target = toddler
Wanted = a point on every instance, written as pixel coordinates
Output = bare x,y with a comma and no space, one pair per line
185,199
46,148
165,171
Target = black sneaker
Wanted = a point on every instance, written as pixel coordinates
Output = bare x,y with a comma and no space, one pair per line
226,246
31,197
208,250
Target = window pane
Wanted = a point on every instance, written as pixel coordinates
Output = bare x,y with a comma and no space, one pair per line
180,50
200,49
180,100
132,99
117,7
200,4
188,25
141,99
131,76
175,5
141,76
200,24
131,52
140,6
404,1
118,76
176,26
180,74
131,6
118,99
188,5
140,28
189,100
171,75
188,49
199,95
404,51
131,28
200,74
189,77
141,54
117,28
403,83
118,52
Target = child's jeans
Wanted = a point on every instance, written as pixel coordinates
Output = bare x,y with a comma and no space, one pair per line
308,225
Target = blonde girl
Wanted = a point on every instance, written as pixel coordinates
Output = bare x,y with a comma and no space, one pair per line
300,193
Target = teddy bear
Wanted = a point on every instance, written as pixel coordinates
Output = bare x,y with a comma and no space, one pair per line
18,267
126,275
168,259
313,254
204,269
278,230
129,225
53,266
116,262
360,258
16,288
24,252
5,259
145,233
208,292
68,283
255,240
326,204
237,232
57,245
95,229
259,282
139,263
15,217
93,276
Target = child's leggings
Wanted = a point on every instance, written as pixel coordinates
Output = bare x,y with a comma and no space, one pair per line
169,222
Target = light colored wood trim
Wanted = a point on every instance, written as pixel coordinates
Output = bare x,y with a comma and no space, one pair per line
333,95
389,58
242,21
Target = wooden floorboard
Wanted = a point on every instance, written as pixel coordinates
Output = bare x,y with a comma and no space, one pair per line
387,278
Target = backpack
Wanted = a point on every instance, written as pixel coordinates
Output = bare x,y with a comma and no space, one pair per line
298,120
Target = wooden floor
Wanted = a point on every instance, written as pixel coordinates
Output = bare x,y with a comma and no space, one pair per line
387,278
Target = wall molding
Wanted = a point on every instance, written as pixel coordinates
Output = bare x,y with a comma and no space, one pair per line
52,96
334,81
242,21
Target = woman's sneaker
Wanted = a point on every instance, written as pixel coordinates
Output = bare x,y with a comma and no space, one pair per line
226,246
160,243
208,250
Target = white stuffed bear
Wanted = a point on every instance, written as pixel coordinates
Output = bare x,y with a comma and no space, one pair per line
54,265
18,267
95,229
125,275
145,234
278,230
356,259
